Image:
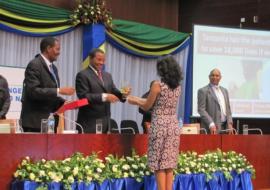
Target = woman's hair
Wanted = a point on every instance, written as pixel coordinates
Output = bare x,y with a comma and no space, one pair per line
169,71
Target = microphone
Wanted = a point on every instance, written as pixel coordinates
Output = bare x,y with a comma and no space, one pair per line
71,121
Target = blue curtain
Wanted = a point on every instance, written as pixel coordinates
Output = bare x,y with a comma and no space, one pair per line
188,85
235,184
93,37
23,185
117,184
182,181
14,30
223,182
246,181
213,184
199,182
31,185
150,182
90,186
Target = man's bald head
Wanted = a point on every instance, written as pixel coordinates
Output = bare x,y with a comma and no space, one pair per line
215,76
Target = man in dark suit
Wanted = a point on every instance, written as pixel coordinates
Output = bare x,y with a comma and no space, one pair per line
146,121
4,97
41,86
214,106
98,87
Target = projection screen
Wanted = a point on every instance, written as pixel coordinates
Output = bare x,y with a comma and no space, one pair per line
243,57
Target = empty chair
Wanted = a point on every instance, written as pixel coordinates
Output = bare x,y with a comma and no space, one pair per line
203,131
129,126
114,126
257,130
226,131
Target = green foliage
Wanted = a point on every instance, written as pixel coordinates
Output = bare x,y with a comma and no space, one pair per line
91,11
78,167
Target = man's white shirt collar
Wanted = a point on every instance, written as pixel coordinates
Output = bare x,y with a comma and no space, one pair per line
48,63
215,86
91,67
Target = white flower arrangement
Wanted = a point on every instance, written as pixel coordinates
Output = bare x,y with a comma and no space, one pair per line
87,169
210,162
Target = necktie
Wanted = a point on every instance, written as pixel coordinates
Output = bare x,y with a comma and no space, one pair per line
100,75
53,74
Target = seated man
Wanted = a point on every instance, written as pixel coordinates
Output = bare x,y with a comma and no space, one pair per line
4,97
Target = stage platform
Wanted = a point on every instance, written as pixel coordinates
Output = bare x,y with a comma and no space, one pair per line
37,146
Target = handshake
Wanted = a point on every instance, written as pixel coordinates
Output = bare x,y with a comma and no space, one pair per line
108,97
125,91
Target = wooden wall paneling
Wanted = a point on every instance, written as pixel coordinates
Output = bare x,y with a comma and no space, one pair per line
264,14
162,13
200,143
60,146
212,12
101,144
140,144
87,144
14,148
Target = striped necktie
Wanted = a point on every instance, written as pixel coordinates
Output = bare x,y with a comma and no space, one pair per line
100,75
53,74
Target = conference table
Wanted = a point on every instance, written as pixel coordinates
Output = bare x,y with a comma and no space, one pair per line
58,146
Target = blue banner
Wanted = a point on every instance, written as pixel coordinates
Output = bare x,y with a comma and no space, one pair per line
93,37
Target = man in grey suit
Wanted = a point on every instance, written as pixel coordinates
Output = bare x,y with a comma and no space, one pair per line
41,86
98,87
214,106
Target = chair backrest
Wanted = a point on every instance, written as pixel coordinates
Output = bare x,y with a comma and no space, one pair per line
129,126
114,126
226,131
258,130
192,128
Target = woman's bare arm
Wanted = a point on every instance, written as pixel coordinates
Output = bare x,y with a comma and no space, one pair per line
146,104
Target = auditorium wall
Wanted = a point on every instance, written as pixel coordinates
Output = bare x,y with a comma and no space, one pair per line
224,13
162,13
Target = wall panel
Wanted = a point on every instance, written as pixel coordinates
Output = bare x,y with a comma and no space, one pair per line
161,13
224,13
